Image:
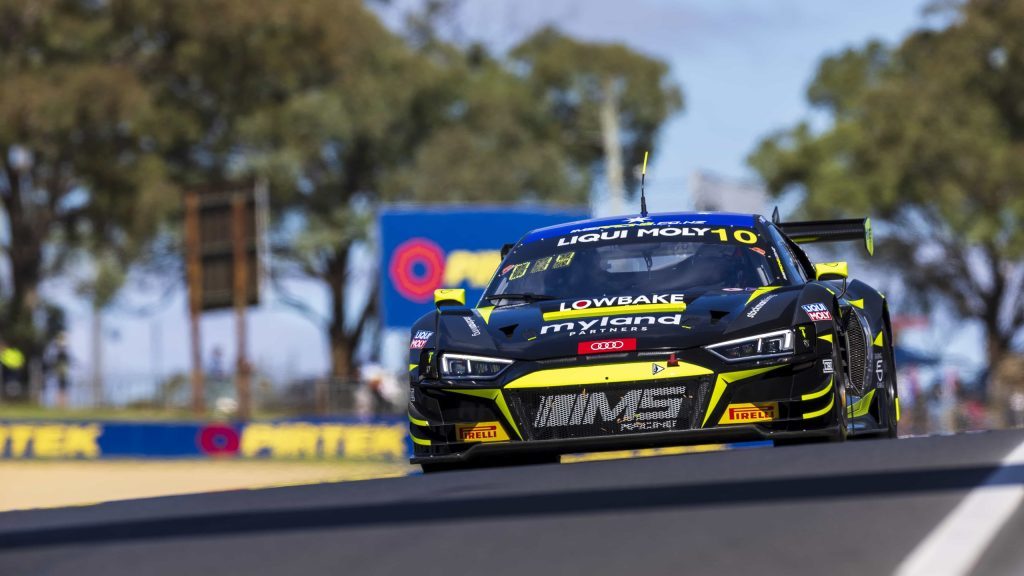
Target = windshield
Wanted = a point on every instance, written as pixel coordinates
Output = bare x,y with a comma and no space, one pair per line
635,261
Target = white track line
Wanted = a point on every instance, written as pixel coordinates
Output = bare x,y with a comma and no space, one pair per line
957,543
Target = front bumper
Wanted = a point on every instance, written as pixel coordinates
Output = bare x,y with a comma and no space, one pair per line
741,433
547,412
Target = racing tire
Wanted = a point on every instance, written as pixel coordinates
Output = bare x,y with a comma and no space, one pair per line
891,389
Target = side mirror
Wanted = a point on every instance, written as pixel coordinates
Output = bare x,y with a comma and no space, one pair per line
449,297
831,271
505,249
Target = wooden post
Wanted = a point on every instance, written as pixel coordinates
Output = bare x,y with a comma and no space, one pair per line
194,274
241,301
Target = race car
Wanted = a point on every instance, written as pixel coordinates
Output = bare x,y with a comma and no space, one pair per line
648,331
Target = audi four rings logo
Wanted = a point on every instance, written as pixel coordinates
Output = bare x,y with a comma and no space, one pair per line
605,346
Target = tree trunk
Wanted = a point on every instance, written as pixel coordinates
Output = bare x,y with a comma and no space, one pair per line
26,269
341,344
612,142
97,357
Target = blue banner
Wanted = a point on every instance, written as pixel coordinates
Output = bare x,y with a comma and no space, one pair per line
428,247
376,439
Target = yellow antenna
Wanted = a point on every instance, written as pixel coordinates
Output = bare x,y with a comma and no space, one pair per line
643,176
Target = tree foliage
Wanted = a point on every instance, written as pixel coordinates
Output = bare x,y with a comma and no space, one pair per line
929,136
79,170
123,103
573,79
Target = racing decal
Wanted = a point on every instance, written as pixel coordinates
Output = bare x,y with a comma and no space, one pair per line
563,260
817,311
606,346
541,264
519,270
758,250
757,307
778,261
879,372
474,328
655,232
747,413
481,432
616,305
506,269
826,366
419,340
649,409
655,368
608,325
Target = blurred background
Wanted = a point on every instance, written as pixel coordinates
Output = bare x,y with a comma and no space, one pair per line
224,215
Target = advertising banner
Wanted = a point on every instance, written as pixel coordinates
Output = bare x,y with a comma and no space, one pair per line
376,439
428,247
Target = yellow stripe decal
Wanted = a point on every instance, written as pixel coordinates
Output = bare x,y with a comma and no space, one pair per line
606,374
498,399
826,338
857,303
819,393
417,421
419,441
823,411
861,407
413,367
897,409
879,340
726,378
485,313
615,311
761,291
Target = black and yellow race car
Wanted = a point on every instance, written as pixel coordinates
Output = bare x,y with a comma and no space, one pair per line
646,331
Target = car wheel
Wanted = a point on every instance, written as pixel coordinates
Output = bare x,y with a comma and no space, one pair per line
891,389
842,410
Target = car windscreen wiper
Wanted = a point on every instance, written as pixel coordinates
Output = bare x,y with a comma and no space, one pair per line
526,297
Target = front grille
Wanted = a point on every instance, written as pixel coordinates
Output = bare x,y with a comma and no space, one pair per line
564,412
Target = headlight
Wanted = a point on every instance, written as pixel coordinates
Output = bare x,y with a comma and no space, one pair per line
768,345
463,366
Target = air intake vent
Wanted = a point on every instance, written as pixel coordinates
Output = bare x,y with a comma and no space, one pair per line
856,351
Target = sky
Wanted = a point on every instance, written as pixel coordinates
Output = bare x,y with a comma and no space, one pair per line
743,65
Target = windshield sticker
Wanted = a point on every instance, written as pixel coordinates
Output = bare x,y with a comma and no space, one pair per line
758,250
541,264
779,262
519,271
507,268
563,260
740,235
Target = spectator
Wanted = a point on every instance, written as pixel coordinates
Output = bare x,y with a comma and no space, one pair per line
60,365
12,362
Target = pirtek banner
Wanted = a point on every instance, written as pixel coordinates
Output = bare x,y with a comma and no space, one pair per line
378,439
424,248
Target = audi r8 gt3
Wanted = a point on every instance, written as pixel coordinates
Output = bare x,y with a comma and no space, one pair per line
646,331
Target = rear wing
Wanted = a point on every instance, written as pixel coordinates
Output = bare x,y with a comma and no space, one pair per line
830,231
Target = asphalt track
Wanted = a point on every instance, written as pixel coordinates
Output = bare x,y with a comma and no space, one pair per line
857,508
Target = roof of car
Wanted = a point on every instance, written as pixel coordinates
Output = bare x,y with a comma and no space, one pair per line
660,219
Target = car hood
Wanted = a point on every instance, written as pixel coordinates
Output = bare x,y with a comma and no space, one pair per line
536,331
